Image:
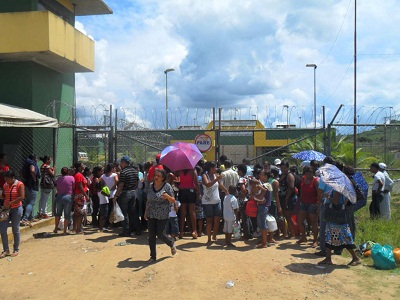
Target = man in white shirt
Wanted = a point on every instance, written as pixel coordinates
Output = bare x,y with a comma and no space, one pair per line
385,204
378,187
231,177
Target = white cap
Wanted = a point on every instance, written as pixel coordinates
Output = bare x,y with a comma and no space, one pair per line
277,162
382,166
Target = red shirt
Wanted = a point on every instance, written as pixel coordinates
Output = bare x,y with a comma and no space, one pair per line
80,178
309,193
12,191
3,169
152,171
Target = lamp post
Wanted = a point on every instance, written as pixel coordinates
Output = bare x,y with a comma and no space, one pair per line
287,115
315,94
166,96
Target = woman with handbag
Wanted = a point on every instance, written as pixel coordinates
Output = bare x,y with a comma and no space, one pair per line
337,233
47,173
14,193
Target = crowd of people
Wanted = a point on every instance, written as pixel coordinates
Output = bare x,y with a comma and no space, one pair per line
175,205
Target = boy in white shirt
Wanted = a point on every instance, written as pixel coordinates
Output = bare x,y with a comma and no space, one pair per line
231,208
172,225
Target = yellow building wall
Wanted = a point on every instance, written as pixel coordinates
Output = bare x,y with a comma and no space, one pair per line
67,4
42,31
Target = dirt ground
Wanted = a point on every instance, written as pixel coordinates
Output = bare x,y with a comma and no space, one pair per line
93,266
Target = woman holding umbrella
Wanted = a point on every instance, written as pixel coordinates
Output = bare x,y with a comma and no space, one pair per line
338,235
211,200
188,193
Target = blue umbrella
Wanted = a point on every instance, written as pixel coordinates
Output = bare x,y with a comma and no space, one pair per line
337,180
363,185
309,155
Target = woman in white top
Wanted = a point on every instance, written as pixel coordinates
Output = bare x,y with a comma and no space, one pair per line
110,178
211,201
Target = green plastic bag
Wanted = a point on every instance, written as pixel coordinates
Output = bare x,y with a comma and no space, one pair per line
383,257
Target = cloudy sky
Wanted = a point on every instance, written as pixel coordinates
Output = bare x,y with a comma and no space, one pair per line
247,57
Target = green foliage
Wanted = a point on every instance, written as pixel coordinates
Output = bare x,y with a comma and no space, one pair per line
380,231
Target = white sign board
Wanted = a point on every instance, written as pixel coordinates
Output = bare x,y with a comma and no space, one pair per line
203,142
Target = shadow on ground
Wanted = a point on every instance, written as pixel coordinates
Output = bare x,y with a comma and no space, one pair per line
313,269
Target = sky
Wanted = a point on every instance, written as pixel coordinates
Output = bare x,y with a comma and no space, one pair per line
247,57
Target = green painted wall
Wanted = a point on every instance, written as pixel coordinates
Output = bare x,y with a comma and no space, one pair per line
18,5
35,87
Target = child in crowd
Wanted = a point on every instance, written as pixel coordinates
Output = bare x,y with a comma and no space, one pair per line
104,193
199,206
172,225
231,208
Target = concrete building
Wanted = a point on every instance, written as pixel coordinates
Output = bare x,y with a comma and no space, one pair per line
40,52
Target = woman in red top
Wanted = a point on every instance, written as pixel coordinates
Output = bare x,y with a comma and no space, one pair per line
3,168
308,205
14,193
188,193
81,197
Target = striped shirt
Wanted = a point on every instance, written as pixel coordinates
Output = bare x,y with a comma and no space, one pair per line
12,191
130,177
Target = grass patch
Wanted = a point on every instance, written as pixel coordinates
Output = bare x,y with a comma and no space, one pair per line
380,231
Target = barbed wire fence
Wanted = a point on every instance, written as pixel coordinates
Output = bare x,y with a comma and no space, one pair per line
105,133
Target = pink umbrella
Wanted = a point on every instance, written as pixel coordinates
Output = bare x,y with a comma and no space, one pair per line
180,156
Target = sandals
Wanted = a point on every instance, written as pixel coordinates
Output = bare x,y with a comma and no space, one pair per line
325,262
4,254
14,254
354,263
25,223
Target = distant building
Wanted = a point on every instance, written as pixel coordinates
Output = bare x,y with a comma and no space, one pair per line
243,138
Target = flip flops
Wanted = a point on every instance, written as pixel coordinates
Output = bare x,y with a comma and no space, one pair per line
354,263
4,254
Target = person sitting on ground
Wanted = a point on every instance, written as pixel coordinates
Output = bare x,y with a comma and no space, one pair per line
231,210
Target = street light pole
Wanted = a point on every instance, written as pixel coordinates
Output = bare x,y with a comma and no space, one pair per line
315,93
287,115
166,96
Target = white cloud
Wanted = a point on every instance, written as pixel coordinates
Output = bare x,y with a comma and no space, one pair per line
244,54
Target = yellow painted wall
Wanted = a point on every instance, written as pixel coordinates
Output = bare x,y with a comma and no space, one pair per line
42,31
24,32
68,4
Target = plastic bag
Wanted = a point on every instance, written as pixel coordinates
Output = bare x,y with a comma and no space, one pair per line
116,215
61,223
383,257
271,223
236,230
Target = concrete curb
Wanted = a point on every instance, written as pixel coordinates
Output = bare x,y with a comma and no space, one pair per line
26,230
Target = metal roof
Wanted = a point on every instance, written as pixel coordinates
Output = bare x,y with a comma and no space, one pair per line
91,7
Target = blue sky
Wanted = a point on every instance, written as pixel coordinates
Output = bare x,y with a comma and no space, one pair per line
247,57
